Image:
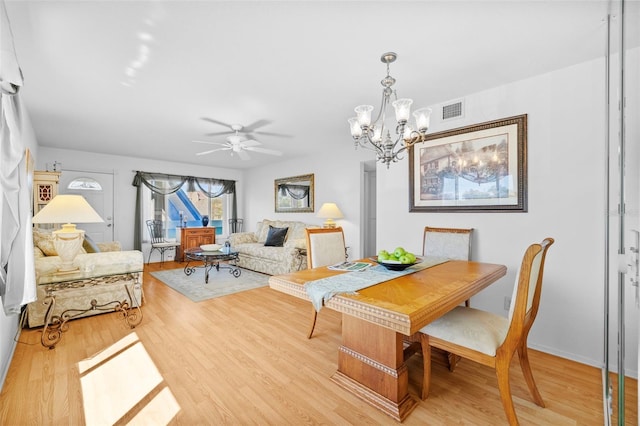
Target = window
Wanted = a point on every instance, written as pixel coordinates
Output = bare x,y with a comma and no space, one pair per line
188,206
179,200
85,184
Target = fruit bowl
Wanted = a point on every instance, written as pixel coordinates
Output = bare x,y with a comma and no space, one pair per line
211,247
394,265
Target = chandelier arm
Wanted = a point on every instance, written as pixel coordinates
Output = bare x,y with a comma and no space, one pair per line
383,106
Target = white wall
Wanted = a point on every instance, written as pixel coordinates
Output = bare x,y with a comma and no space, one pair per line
565,196
337,177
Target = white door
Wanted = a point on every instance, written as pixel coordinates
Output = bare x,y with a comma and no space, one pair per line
97,189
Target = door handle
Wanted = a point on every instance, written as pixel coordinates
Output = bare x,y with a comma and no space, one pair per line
634,264
108,225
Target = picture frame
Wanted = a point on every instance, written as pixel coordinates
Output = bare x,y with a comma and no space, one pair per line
294,194
478,168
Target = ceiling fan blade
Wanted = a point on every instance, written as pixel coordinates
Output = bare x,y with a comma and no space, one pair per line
228,132
250,142
251,127
263,150
211,120
243,155
212,150
280,135
211,143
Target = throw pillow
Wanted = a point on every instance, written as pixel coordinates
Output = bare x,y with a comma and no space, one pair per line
263,231
276,237
44,241
89,245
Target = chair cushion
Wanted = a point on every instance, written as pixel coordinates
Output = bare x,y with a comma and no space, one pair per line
276,236
472,328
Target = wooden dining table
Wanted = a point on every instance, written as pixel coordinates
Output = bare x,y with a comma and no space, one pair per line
377,319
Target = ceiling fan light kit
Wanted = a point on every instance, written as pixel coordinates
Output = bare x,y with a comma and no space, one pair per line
377,136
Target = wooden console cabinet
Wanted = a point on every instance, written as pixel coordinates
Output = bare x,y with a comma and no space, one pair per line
194,237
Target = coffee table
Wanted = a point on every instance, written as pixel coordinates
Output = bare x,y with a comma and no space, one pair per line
211,259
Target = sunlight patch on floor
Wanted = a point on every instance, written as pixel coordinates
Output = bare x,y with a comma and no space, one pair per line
159,411
116,380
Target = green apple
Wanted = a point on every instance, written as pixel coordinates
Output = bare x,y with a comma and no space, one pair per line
404,259
410,256
383,255
399,251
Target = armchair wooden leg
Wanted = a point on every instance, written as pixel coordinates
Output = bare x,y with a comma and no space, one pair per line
523,355
313,322
502,372
426,365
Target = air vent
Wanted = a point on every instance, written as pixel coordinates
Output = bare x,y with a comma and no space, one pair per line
452,111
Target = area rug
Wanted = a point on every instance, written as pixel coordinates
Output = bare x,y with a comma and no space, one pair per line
221,283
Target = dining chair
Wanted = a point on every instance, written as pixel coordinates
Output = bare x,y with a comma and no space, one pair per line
158,242
325,246
236,225
491,339
450,243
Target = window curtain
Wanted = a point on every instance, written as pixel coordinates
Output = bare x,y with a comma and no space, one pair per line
297,192
17,271
165,184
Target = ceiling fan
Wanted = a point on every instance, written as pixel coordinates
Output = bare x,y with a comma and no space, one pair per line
238,144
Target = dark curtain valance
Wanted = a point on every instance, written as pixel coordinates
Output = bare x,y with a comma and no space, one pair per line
297,192
165,184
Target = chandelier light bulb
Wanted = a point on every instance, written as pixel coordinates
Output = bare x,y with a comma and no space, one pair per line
377,134
407,132
423,117
356,130
364,115
403,109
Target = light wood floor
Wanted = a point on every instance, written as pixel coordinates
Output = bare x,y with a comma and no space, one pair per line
245,359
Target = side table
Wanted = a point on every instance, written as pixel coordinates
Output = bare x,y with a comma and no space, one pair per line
55,325
211,259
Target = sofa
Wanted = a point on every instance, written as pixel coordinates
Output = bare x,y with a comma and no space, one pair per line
272,260
105,276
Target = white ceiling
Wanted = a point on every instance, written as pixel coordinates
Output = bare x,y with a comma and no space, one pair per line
301,65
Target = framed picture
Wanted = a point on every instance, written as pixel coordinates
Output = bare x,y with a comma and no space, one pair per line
294,194
479,168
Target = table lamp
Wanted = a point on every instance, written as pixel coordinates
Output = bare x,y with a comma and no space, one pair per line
329,211
68,240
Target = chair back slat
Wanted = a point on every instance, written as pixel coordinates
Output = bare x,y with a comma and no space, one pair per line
156,231
450,243
528,287
236,225
325,246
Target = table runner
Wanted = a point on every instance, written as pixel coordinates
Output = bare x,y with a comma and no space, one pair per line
322,290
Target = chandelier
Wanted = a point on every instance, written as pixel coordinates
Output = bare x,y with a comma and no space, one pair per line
377,135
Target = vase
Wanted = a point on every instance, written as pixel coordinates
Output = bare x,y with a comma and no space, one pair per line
205,220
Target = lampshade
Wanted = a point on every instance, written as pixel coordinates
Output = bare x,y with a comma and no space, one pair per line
68,240
67,209
329,211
